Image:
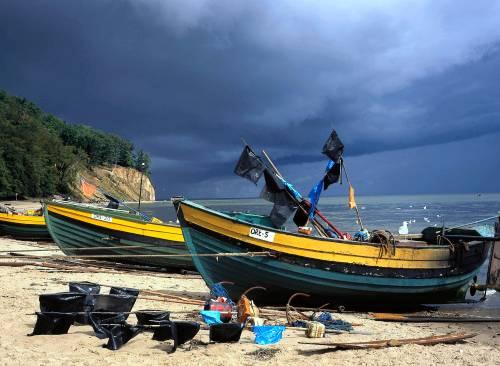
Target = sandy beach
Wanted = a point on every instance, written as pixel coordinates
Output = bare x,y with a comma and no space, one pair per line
21,286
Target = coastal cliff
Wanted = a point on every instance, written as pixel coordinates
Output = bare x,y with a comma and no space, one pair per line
121,182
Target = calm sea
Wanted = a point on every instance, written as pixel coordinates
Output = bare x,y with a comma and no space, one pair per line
377,212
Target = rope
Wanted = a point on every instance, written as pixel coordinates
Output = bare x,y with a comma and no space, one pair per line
471,223
247,254
78,249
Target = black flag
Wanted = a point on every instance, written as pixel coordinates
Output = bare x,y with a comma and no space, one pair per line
333,147
332,176
249,165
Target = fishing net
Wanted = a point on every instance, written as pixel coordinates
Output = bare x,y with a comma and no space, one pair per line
329,322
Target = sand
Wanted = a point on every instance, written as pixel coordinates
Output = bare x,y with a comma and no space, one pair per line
20,287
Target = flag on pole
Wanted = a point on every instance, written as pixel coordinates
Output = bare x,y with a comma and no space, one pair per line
314,197
352,201
249,166
333,148
333,173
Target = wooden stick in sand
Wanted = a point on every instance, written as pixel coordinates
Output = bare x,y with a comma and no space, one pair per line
425,341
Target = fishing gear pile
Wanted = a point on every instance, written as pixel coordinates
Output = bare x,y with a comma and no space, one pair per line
226,320
107,314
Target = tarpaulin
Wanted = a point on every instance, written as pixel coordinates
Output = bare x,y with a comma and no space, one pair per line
52,323
178,331
90,289
85,287
268,334
124,291
118,303
119,334
211,316
225,333
63,302
150,317
98,320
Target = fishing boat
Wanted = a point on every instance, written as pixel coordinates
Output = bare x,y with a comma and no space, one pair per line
120,235
328,269
29,225
370,267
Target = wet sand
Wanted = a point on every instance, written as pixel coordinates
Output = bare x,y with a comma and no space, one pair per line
20,287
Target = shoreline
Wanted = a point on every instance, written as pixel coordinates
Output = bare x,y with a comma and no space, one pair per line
20,297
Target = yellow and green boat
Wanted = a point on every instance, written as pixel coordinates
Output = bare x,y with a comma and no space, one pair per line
24,226
115,234
329,269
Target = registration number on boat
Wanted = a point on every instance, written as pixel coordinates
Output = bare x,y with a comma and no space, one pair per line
261,234
102,218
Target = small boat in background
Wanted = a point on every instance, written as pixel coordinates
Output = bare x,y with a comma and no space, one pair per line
26,225
115,234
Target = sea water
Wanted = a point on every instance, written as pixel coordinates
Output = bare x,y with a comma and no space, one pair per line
377,212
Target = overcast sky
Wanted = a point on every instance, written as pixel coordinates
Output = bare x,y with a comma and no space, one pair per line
412,87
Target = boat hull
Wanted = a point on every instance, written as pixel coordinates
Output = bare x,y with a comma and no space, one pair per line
24,227
284,275
75,228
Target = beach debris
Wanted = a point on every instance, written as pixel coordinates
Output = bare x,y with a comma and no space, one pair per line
220,301
54,324
268,334
315,330
117,334
297,319
211,317
178,331
425,341
246,307
107,314
389,317
151,317
225,333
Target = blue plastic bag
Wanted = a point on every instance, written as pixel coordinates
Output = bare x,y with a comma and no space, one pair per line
211,316
268,334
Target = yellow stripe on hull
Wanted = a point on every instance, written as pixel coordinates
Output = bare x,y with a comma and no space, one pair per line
148,229
22,219
349,252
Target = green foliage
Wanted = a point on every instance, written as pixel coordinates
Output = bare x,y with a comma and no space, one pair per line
40,154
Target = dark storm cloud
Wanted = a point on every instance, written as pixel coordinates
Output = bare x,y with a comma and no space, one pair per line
186,79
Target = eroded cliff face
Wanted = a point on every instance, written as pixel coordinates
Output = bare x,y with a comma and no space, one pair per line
123,183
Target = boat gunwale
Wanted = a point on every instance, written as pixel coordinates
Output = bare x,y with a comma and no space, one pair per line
111,211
